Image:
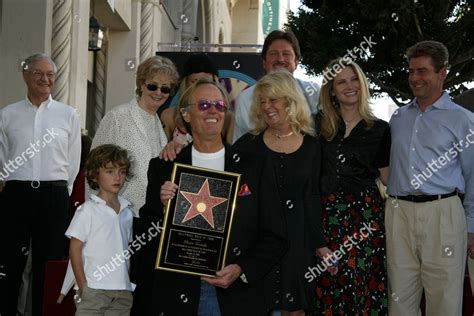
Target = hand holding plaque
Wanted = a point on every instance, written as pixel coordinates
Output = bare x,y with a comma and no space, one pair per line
198,221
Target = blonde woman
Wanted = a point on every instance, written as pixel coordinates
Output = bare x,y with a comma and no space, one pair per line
135,126
284,131
355,152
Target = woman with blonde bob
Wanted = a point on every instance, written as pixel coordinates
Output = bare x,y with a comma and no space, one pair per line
281,85
284,131
135,126
355,152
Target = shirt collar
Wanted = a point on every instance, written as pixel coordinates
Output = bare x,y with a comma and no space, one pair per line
47,103
123,202
442,103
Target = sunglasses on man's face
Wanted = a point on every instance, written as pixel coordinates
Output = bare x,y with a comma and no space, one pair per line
204,105
154,87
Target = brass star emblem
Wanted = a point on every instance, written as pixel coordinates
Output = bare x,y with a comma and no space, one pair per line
201,204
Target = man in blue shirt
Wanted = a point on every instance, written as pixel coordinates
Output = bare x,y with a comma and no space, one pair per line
428,229
281,50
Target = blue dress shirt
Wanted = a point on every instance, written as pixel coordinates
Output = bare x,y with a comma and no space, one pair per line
433,152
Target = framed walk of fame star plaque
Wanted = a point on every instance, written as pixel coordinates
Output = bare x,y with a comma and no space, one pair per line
198,221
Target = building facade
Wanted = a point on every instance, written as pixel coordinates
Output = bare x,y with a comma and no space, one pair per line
95,81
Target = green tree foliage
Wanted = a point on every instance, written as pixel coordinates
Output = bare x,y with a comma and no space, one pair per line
327,29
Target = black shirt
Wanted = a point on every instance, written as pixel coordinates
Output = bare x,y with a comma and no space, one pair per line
351,164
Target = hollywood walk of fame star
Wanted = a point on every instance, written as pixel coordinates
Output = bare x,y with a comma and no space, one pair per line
201,204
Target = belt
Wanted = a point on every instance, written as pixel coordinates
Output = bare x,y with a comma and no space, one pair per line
35,184
424,198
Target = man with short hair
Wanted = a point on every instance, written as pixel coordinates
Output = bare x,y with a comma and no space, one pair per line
258,237
431,162
281,50
40,150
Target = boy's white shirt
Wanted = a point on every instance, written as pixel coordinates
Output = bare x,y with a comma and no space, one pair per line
102,211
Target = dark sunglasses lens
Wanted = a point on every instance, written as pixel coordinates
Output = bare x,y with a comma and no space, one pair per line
151,87
165,89
154,87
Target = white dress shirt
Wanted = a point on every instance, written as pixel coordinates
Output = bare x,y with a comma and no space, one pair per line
39,143
142,134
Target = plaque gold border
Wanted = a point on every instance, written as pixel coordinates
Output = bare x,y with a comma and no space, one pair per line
165,228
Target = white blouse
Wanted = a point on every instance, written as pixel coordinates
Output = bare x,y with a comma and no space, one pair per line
142,134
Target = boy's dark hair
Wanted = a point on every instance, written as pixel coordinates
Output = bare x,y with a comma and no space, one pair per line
100,156
287,35
436,50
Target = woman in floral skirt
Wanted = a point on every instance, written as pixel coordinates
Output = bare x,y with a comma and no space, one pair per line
355,152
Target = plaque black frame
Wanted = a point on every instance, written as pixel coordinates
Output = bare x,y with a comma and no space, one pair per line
195,245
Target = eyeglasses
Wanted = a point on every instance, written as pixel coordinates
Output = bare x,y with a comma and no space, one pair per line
154,87
204,105
39,74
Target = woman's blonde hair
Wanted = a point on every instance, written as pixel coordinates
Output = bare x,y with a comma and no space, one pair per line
152,66
281,85
331,114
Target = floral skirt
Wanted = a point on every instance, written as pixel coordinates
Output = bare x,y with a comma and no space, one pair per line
354,229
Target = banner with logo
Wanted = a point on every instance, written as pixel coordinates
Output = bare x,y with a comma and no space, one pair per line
237,71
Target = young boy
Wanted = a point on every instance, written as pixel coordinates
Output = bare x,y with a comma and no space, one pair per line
100,232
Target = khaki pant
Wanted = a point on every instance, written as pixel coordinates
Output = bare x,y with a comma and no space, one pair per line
104,302
426,249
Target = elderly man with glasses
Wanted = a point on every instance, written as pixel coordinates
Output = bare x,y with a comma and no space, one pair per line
40,150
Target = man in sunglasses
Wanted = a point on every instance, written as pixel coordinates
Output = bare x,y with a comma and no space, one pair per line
40,151
258,237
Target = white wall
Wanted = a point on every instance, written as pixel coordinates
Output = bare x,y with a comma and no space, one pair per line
26,29
123,54
246,24
79,59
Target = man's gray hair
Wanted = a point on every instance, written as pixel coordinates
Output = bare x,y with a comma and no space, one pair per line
36,57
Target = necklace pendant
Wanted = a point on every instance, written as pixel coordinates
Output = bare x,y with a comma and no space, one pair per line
279,136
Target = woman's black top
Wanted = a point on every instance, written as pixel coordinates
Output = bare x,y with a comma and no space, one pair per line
351,164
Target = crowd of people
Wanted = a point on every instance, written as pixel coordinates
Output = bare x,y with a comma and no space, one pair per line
314,231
